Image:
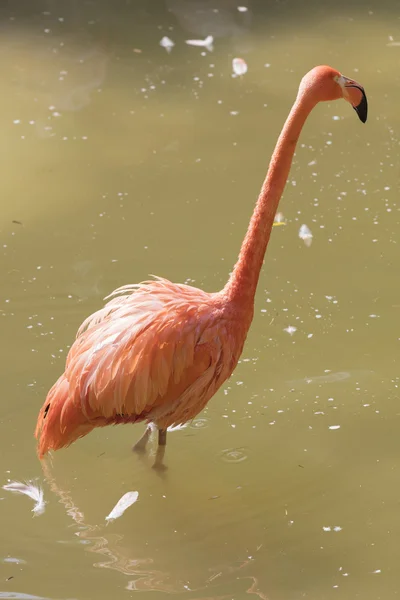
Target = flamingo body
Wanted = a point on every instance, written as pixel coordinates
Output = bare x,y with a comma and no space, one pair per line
158,351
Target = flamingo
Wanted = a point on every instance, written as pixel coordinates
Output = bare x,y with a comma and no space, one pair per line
158,351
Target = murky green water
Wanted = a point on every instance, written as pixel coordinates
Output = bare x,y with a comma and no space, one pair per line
120,160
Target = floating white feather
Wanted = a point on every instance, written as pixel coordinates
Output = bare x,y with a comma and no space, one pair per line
167,43
207,43
123,503
33,491
239,66
279,220
177,427
305,235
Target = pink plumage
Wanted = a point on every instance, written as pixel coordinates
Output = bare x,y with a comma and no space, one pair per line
155,353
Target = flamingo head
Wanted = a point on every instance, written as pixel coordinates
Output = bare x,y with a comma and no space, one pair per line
325,84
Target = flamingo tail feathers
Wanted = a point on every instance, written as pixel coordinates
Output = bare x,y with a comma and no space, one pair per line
60,421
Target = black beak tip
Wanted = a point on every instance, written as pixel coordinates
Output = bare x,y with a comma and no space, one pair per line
362,108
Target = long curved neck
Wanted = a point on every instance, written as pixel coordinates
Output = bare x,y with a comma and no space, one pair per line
242,284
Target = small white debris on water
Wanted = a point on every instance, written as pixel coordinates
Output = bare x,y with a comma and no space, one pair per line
166,43
327,528
123,503
334,426
206,43
290,330
242,8
376,572
16,561
239,66
305,235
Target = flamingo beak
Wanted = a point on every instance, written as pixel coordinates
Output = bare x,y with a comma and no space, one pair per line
354,93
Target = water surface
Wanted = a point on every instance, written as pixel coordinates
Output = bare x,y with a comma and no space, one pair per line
119,160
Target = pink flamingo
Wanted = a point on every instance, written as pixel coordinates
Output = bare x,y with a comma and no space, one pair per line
158,351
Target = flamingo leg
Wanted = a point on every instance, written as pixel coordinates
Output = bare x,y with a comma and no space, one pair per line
162,437
162,442
141,444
